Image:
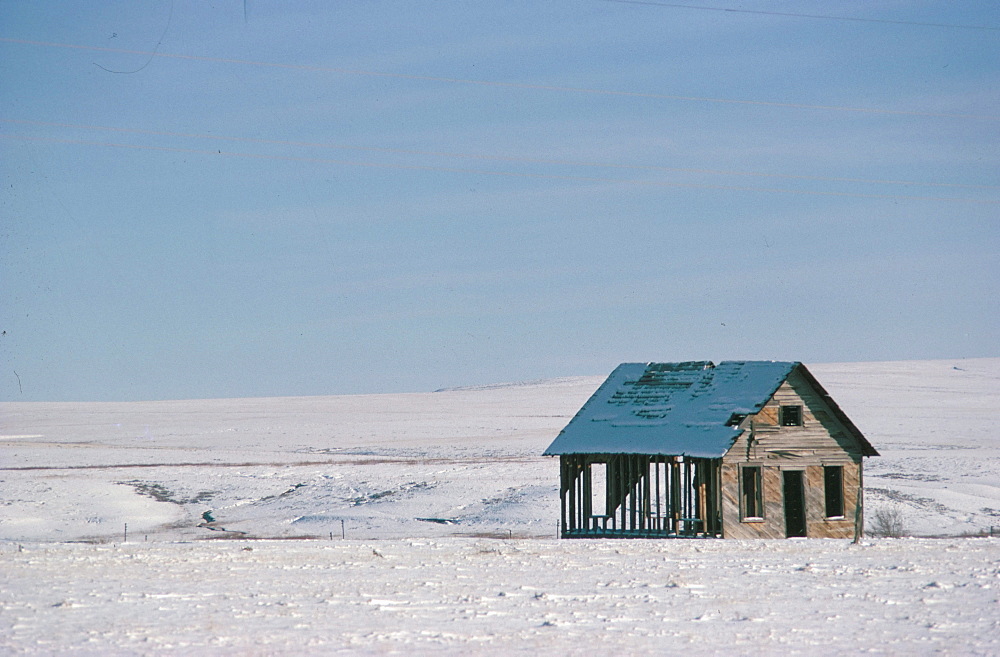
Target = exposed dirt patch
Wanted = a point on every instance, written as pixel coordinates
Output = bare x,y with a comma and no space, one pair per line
161,493
909,476
906,498
375,497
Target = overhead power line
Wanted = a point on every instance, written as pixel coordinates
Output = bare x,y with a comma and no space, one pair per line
508,85
487,157
485,172
674,5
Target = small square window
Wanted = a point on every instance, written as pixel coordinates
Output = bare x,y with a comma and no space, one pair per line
791,416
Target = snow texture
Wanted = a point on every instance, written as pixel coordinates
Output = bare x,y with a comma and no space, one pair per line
427,522
526,597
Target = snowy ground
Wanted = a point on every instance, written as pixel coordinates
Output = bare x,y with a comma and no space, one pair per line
935,425
538,597
450,516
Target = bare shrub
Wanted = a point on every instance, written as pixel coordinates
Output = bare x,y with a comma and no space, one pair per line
887,522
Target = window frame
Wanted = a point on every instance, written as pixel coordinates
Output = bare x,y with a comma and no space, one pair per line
788,409
754,497
833,495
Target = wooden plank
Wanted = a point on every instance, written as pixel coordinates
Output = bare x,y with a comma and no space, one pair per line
774,504
767,416
815,502
842,527
645,492
828,439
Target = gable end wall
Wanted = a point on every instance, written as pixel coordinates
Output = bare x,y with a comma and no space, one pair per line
821,440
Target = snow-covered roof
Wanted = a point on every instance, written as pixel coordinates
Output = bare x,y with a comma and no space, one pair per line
671,408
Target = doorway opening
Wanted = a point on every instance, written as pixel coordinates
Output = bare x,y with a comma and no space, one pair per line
795,506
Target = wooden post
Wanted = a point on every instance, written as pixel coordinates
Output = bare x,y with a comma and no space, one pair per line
563,490
857,523
675,494
571,493
858,516
645,492
578,520
633,487
658,524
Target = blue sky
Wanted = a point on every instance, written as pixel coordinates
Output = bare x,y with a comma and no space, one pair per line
228,199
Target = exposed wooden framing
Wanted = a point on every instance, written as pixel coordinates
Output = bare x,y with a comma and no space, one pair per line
653,495
563,478
659,518
646,495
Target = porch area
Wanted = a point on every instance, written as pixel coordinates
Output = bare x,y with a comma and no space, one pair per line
639,496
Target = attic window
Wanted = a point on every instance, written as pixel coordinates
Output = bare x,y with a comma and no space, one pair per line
791,416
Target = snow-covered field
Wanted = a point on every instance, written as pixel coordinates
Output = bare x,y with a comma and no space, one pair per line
427,522
461,595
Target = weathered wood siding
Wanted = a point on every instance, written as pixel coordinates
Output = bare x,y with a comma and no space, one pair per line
773,523
821,440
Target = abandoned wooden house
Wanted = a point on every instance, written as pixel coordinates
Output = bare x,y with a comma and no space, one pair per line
742,449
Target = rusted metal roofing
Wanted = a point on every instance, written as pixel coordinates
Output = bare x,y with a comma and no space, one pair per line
671,408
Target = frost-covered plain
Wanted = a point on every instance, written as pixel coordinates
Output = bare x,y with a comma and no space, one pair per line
821,597
428,522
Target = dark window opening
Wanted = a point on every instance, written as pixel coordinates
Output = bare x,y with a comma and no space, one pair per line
833,487
791,416
752,499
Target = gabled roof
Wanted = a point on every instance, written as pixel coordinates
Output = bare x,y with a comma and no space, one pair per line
678,408
866,447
